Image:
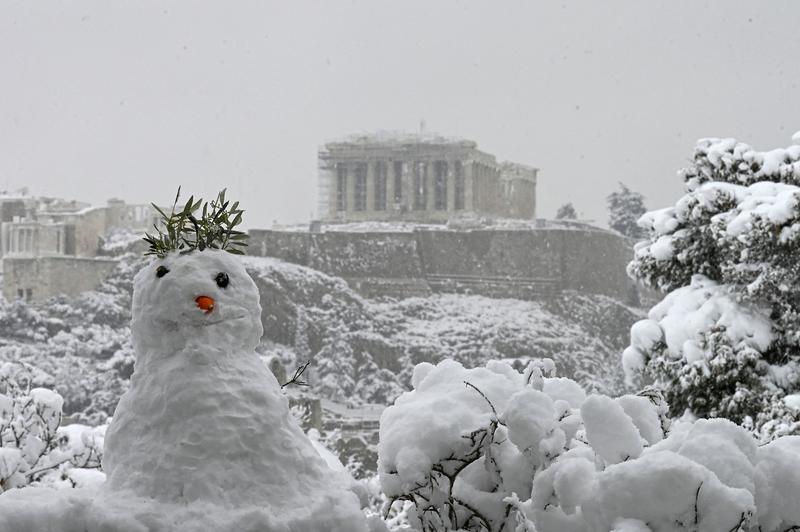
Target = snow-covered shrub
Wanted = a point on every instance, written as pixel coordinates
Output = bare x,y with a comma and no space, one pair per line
22,322
494,449
89,386
394,516
780,419
464,440
34,447
725,341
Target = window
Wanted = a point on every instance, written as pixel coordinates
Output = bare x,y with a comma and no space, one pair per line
420,185
20,293
381,169
398,181
360,190
459,186
440,186
28,294
341,187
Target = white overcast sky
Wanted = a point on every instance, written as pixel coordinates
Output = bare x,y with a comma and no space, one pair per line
103,99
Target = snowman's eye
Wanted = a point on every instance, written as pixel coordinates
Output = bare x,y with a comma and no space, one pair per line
222,279
161,271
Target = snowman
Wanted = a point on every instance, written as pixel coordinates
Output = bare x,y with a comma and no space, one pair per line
203,439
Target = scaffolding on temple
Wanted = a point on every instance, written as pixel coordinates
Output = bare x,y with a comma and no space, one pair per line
324,184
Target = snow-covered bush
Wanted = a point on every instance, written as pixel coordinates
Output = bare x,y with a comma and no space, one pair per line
20,321
494,449
394,516
725,341
34,448
458,446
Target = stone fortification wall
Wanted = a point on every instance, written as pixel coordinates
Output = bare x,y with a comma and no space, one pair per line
529,254
374,264
291,246
595,262
355,255
36,279
524,264
521,263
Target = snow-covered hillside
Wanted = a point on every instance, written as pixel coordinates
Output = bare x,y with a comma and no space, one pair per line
371,346
363,351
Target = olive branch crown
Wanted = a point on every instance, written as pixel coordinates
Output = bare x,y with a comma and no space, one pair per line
191,229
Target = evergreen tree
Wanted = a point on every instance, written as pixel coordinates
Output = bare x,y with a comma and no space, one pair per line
567,212
335,368
625,207
726,340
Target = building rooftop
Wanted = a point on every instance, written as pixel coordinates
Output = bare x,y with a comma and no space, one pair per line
391,138
510,169
464,224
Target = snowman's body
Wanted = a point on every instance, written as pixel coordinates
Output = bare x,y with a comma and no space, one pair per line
203,439
204,420
206,424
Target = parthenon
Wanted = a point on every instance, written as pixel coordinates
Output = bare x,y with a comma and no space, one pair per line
419,177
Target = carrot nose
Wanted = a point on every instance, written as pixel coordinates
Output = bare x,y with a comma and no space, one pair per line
205,303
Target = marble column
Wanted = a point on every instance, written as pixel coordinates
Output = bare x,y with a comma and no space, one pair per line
351,190
451,185
369,204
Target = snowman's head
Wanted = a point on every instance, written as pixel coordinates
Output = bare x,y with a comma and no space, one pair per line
203,298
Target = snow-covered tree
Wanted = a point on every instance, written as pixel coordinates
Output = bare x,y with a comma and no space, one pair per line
567,212
334,369
625,207
348,374
726,340
492,449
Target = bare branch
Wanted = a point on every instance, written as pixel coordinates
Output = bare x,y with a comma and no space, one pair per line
297,374
482,395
